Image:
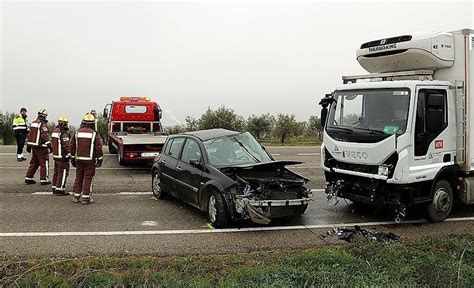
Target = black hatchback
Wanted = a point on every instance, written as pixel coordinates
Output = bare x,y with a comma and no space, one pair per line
229,175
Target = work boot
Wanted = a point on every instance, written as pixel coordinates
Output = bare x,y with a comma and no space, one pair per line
45,182
53,188
76,199
60,192
86,201
30,181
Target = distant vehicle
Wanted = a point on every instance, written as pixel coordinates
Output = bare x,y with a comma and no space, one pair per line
229,175
134,129
403,135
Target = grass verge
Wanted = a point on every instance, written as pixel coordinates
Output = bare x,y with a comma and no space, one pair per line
432,261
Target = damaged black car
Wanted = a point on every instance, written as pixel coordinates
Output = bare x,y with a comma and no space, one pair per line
229,175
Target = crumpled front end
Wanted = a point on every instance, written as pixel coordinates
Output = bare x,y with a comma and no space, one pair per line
265,195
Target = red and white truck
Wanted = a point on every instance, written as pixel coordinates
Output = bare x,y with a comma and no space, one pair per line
134,129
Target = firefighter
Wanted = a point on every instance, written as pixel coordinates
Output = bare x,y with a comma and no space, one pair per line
61,146
20,127
39,145
86,155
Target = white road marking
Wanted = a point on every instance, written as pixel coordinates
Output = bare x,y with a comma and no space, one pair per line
132,193
318,190
304,167
275,154
205,231
308,154
149,223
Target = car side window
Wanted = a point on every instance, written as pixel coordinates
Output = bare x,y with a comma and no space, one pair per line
168,147
175,147
191,150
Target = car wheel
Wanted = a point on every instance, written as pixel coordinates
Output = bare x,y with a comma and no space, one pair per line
217,210
112,148
442,202
156,186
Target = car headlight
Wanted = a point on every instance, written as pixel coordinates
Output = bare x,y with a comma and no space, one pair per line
384,170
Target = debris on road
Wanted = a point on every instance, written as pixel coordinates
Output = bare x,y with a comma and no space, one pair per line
351,234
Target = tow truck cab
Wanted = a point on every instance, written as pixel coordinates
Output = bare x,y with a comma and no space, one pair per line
134,129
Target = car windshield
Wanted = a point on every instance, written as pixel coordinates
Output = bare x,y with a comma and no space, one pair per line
376,111
240,149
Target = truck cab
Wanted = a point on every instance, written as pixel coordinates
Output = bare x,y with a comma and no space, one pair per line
135,132
397,137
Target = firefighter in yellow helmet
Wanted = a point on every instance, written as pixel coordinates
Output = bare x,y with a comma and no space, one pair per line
39,144
61,146
86,155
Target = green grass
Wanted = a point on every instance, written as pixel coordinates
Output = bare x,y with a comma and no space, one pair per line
434,262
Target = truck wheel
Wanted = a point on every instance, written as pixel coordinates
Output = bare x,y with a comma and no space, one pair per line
156,186
442,202
217,210
112,148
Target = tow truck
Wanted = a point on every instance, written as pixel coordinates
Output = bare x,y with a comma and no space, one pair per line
135,132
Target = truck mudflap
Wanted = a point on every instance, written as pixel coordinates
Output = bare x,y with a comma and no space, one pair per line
260,211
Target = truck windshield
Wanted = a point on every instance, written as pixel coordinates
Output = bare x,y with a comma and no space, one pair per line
372,114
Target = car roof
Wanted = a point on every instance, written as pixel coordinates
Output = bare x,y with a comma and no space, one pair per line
211,133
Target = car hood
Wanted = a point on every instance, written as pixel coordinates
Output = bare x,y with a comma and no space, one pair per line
261,170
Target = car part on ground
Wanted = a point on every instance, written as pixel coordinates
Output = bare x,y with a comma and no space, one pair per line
353,234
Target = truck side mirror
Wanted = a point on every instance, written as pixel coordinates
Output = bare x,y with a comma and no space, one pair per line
106,111
325,103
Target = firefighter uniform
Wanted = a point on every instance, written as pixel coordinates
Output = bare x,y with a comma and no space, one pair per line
39,144
86,155
61,146
20,128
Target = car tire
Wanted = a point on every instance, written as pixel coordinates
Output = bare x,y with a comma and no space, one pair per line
112,148
217,210
441,203
156,186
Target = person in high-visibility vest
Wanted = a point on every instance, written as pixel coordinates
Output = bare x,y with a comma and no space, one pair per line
20,127
39,143
86,155
61,146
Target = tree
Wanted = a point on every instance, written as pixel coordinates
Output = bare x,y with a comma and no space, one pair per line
177,129
103,127
6,129
191,124
286,126
223,117
260,126
314,127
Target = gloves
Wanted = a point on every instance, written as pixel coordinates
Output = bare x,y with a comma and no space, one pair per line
73,162
50,150
28,149
98,162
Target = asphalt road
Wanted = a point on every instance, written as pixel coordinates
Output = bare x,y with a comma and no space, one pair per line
126,219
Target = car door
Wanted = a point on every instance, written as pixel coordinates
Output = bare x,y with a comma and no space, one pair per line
168,162
188,176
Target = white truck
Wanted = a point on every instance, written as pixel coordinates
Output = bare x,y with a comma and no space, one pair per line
400,136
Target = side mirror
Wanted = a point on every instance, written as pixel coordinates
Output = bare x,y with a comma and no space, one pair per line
324,115
325,103
196,163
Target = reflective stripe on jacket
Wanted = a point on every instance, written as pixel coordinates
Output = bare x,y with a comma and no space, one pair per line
39,134
60,143
19,123
86,145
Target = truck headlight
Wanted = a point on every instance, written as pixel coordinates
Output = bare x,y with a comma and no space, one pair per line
384,170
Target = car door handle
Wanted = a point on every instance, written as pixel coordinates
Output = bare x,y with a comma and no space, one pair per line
163,161
179,169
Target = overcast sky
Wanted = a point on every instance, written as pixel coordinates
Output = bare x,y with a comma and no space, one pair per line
252,57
